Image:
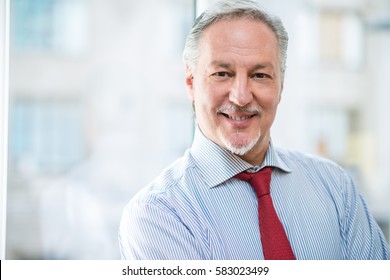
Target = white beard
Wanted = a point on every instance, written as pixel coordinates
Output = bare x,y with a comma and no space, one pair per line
240,149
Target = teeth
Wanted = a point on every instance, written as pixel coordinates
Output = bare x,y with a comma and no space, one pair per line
237,118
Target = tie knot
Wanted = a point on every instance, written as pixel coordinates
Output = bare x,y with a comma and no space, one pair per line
260,181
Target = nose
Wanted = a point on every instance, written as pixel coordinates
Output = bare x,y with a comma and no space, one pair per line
240,93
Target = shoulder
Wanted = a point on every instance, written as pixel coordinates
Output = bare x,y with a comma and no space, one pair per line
169,184
318,174
297,159
165,200
318,170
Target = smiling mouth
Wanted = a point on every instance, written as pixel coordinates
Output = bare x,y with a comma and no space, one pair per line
238,114
238,118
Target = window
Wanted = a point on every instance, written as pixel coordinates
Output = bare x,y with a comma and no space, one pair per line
49,25
47,134
97,99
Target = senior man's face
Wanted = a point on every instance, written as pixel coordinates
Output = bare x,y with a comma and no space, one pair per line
236,86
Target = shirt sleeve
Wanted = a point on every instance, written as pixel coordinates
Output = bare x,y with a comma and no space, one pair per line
150,232
364,239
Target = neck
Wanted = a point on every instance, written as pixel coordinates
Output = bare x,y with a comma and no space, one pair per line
257,154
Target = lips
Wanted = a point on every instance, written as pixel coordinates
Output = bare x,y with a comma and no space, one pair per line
238,117
238,113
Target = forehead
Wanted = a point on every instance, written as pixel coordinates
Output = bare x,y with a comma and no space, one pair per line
239,37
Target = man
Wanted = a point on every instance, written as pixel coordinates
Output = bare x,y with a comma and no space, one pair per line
200,207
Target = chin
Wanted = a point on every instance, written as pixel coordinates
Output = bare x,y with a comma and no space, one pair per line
240,145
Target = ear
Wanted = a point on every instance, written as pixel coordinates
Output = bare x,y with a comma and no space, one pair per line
190,83
281,90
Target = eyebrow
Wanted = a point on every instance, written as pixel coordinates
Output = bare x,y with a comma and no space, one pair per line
221,64
227,65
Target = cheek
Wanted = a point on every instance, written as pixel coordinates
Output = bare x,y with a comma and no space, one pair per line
209,96
269,102
269,97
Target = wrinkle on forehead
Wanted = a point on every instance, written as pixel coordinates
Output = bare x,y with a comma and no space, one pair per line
240,39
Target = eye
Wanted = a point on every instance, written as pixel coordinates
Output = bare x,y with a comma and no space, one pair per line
222,74
261,76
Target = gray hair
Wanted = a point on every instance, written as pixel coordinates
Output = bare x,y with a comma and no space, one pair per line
234,9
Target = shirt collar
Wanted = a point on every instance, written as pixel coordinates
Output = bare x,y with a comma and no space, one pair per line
218,165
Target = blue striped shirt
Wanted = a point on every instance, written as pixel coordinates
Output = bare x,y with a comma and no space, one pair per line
196,210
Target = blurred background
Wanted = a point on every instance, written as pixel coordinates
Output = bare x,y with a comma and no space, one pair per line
98,108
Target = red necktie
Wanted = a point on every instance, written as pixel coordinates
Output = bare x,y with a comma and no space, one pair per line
273,237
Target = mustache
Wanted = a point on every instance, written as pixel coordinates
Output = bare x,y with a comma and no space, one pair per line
238,109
